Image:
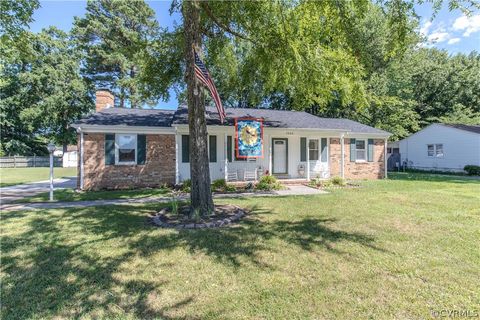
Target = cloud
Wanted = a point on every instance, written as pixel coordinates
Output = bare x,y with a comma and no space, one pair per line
467,24
453,40
425,27
438,36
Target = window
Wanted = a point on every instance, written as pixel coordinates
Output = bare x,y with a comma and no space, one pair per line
212,148
126,148
360,150
313,149
185,148
435,150
439,150
303,149
430,150
324,144
229,148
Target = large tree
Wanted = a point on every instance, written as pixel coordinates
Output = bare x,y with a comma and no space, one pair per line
119,39
42,92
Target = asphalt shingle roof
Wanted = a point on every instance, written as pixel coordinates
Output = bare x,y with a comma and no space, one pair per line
280,119
470,128
271,118
129,117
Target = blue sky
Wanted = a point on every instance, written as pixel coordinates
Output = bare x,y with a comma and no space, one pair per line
451,31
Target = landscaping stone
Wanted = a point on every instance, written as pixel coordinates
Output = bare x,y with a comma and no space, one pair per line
160,219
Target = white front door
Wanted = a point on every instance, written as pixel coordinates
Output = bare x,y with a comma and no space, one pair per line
280,148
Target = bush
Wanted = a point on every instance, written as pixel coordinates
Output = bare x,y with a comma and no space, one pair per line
319,183
472,170
186,185
230,188
338,181
268,183
219,185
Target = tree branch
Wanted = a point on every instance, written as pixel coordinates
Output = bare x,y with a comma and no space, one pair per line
222,26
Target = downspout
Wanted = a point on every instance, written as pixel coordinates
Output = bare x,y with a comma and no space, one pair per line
269,155
342,159
82,169
385,158
177,170
308,159
225,149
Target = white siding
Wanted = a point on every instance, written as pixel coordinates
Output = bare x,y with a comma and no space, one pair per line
217,169
460,148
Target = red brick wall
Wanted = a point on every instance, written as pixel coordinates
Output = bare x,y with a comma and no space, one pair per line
357,170
159,167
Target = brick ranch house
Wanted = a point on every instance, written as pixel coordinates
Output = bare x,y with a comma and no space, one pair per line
130,148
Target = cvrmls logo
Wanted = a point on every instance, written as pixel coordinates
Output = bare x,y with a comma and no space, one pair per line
455,313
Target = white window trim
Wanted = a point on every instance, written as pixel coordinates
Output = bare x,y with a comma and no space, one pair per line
435,153
364,150
319,156
435,150
117,147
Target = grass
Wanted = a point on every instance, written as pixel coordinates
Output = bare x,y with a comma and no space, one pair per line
72,195
13,176
398,248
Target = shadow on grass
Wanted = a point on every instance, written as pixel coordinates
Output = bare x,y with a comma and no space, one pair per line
432,177
58,277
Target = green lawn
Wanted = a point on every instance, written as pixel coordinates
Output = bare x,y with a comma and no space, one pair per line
13,176
72,195
398,248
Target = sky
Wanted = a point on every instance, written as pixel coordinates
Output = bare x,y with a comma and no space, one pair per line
448,30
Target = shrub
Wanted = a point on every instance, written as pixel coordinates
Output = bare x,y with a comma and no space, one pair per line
174,206
219,185
268,183
338,181
230,188
472,170
186,185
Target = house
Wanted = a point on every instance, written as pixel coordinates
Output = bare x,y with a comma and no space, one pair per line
125,148
69,158
443,147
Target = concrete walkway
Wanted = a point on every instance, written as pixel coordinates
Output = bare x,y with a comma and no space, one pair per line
19,191
293,190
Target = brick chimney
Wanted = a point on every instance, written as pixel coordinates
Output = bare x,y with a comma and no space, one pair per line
103,99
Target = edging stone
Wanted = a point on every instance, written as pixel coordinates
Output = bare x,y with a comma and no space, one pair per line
157,221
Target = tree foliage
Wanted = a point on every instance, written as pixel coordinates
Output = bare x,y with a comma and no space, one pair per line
120,41
42,93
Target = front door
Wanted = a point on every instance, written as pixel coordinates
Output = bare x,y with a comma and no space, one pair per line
280,155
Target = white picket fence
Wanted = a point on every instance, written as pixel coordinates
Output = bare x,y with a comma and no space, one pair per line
31,161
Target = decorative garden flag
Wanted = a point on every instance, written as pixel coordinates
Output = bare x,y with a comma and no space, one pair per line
249,138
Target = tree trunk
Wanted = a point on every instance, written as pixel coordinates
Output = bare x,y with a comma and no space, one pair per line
201,194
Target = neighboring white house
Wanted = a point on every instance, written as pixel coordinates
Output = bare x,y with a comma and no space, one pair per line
443,147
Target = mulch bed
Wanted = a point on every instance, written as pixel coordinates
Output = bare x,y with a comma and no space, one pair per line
347,186
224,215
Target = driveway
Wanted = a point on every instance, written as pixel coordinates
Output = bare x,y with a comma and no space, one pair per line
19,191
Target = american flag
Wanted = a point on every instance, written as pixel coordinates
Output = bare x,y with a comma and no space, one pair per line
203,76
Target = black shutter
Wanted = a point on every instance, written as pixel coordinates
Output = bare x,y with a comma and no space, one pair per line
212,148
141,148
229,148
185,148
109,149
303,149
324,149
353,150
370,150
